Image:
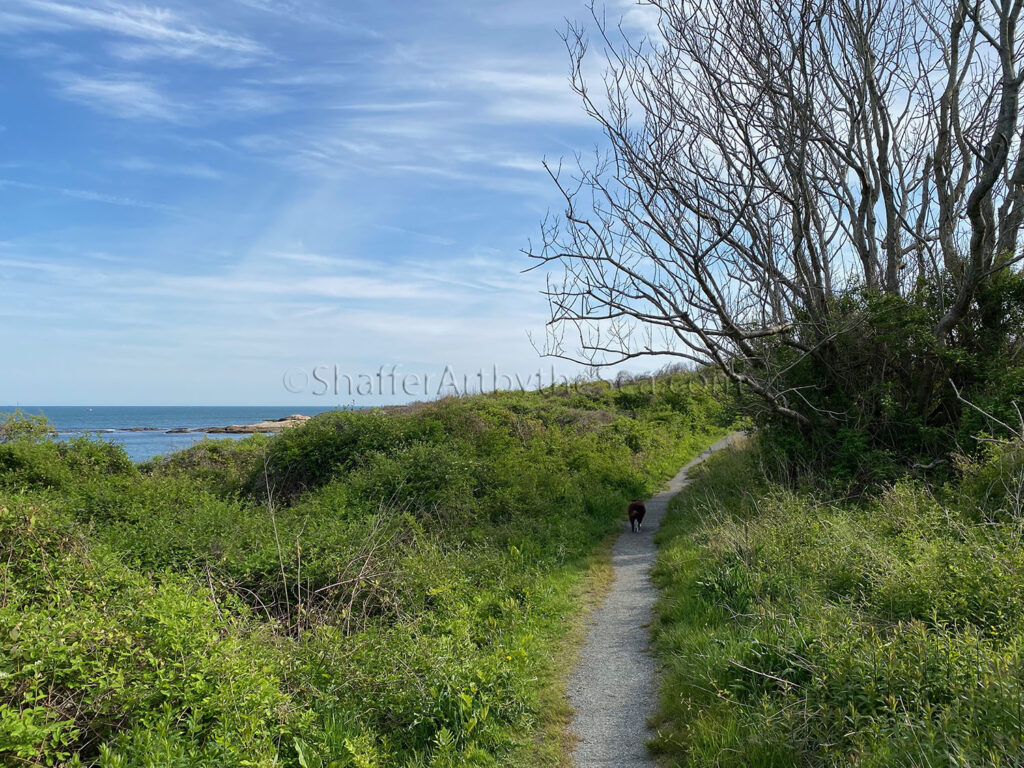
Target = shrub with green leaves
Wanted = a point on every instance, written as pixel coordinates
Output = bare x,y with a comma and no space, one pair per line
24,427
106,663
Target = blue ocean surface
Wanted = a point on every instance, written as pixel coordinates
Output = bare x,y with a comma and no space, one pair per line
112,423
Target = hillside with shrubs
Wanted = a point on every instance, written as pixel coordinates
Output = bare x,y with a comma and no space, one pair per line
374,588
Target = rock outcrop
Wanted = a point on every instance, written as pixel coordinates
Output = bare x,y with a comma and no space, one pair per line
265,427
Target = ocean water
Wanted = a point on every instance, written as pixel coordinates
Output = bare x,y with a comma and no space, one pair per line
112,423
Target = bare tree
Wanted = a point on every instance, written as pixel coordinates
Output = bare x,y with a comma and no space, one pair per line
769,158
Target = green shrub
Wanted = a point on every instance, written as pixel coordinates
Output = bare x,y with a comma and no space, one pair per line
33,465
102,660
307,457
57,465
883,394
24,427
223,467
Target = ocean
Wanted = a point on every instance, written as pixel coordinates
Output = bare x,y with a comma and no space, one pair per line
112,423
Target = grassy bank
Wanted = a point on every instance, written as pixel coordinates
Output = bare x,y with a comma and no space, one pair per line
371,589
804,629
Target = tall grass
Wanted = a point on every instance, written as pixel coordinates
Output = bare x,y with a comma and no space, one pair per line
803,629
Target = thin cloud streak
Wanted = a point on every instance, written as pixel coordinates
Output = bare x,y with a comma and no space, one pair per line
124,96
133,97
164,34
88,195
192,170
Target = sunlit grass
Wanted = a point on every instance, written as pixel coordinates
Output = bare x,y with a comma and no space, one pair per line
800,630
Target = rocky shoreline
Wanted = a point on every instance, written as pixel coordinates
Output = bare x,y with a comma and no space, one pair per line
264,427
270,427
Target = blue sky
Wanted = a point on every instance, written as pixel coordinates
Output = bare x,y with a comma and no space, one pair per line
200,196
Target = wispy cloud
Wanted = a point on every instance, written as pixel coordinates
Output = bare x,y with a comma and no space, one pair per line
394,106
233,101
424,236
88,195
240,285
36,266
193,170
305,13
127,96
528,163
314,259
13,23
46,51
134,97
310,77
151,32
513,92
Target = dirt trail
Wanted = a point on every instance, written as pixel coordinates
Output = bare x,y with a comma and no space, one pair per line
614,690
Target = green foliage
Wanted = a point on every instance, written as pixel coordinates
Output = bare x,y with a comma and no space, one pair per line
373,588
804,630
881,393
107,664
222,467
299,460
62,465
24,427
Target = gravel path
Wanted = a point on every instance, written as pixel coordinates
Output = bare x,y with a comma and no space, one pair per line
614,690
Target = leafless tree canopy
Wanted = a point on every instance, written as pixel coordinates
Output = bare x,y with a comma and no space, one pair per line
769,157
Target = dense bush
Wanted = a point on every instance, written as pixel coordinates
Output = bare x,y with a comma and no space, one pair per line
370,589
802,629
102,662
37,463
24,427
883,392
222,467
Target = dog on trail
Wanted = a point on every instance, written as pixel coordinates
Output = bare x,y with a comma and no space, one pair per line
636,512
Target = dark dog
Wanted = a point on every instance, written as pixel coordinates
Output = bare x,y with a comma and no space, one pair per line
636,512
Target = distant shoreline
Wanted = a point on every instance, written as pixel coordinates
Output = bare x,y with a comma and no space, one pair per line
270,426
148,431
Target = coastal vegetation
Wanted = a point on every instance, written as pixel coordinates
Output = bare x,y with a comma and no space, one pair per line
388,587
801,625
818,204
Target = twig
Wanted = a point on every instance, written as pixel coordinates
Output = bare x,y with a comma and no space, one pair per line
765,674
